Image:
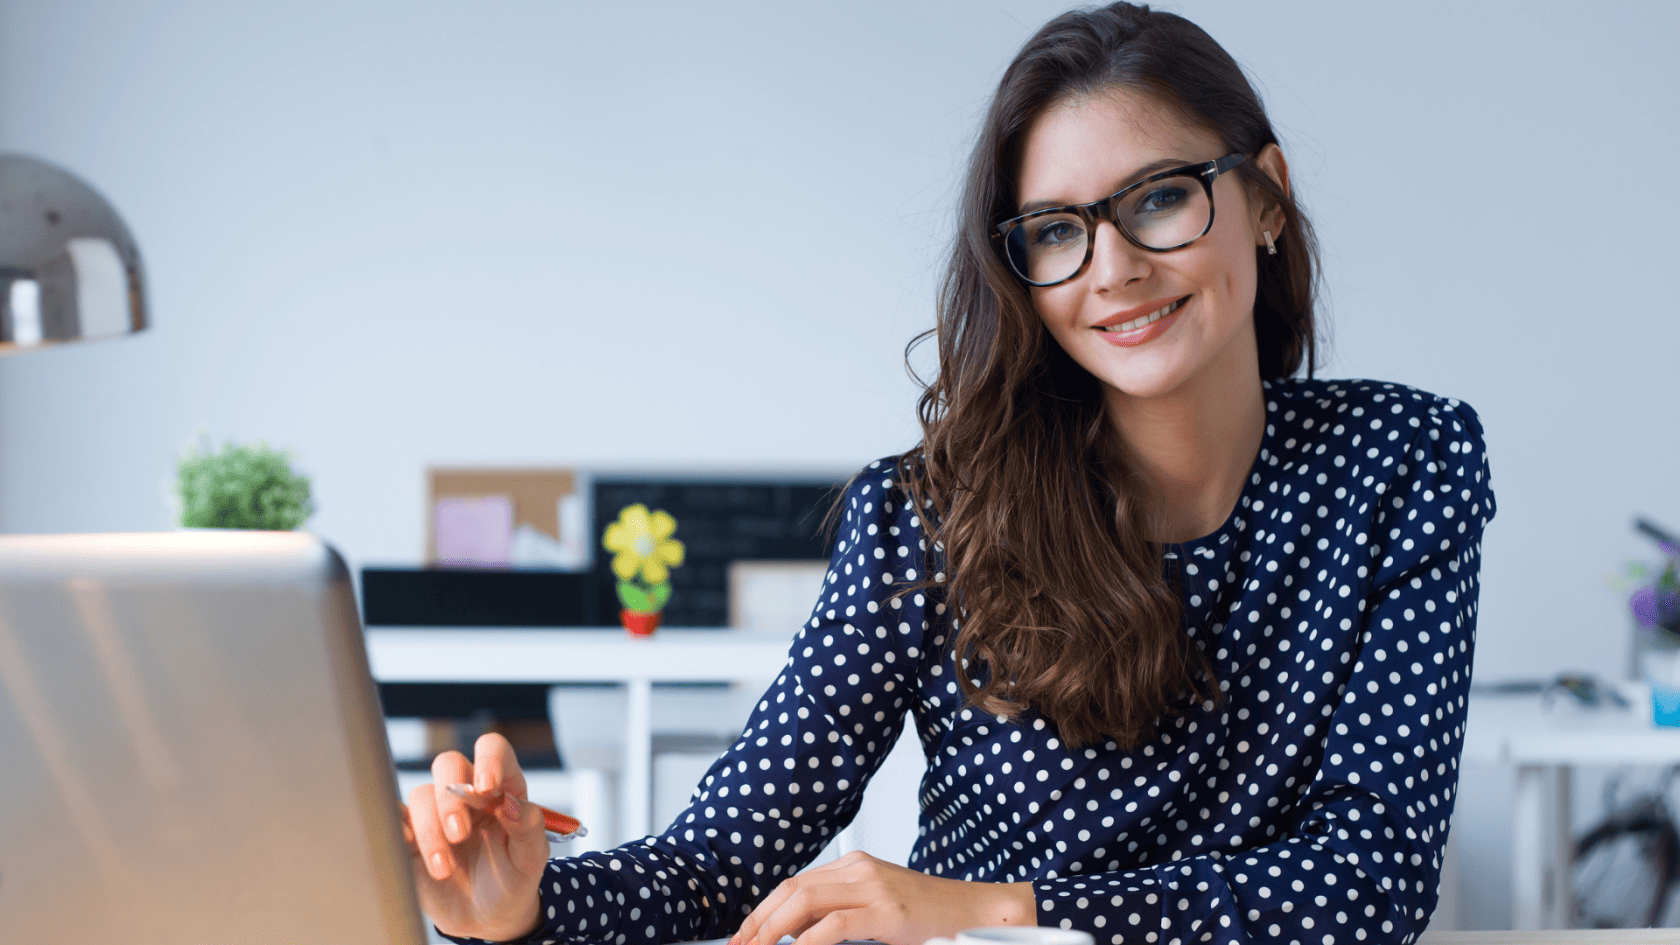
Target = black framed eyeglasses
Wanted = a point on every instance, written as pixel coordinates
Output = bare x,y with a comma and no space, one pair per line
1162,212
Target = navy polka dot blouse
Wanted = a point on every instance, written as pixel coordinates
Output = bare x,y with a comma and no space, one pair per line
1338,607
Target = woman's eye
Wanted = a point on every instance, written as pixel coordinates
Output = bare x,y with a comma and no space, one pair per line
1161,200
1057,233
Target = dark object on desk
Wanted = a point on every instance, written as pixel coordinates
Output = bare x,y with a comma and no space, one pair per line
464,700
457,714
1585,689
532,741
723,520
481,597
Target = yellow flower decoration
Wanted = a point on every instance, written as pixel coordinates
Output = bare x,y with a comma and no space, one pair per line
641,543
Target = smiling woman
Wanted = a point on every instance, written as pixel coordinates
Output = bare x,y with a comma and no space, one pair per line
1186,639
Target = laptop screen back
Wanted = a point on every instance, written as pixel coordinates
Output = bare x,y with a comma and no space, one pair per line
193,746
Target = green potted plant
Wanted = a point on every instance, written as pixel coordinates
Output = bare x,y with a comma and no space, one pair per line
240,486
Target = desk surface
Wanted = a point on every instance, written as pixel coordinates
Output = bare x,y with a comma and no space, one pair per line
1556,937
1506,729
1526,730
1552,937
1519,729
573,654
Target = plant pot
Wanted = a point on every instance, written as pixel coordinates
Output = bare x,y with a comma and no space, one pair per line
639,624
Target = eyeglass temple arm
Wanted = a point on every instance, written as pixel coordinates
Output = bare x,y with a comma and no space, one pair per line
1224,164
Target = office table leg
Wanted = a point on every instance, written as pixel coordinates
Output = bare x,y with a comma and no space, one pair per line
1561,836
637,797
1541,848
1527,869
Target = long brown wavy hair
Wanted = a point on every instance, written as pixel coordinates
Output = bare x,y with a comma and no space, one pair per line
1061,599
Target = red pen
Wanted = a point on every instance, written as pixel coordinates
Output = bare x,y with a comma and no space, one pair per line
560,827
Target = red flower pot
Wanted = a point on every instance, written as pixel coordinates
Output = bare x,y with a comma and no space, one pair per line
639,624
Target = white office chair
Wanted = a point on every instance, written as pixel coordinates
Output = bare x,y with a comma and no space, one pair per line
691,727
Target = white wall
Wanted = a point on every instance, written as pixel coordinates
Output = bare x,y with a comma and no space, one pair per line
531,231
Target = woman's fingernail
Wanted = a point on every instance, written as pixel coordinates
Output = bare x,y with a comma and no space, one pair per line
459,790
452,826
439,871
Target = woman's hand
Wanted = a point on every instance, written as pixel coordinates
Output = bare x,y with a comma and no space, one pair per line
860,897
477,872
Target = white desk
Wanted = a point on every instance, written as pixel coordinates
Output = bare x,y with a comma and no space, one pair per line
1559,937
1544,744
1433,937
596,654
1502,729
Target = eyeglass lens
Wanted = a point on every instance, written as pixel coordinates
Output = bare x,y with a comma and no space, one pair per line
1160,215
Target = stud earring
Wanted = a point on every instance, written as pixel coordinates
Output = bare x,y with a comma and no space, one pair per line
1271,247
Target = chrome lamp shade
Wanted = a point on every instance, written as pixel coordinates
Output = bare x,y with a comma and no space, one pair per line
69,270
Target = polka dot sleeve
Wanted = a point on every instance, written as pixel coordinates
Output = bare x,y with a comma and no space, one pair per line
795,778
1359,853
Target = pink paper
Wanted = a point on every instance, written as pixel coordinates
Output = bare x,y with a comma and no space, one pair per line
474,531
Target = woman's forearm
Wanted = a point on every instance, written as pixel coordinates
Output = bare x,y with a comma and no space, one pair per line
1012,904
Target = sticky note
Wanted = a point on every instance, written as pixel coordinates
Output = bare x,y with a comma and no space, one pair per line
476,530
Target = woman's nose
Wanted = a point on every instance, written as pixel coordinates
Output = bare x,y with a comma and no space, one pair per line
1115,262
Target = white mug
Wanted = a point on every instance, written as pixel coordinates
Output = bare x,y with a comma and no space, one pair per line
1015,935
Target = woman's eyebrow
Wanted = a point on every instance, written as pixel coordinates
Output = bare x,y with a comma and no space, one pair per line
1141,172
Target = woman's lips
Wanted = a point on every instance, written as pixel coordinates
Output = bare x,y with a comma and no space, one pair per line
1138,336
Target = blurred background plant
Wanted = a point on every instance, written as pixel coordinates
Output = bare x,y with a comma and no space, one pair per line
1654,595
1655,602
239,486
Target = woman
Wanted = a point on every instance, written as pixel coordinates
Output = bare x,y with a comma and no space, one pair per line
1186,641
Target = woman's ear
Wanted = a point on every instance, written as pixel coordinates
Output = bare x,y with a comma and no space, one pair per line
1268,213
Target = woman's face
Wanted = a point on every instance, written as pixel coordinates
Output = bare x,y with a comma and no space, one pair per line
1083,149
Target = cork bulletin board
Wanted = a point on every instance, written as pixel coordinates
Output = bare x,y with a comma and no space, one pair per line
535,493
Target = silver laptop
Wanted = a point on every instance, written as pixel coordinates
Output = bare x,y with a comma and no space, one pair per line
192,747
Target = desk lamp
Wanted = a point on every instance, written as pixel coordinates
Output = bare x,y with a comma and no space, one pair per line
69,270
